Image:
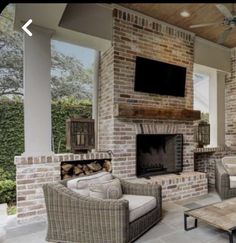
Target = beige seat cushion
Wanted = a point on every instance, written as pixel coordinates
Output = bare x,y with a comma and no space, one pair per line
232,181
81,184
139,205
106,189
229,164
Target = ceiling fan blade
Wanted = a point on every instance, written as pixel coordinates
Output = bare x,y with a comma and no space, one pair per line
204,25
224,35
225,11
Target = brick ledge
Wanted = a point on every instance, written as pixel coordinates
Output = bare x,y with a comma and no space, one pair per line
23,160
178,187
170,178
211,149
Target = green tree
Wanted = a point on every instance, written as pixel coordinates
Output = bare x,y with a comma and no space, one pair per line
11,55
70,78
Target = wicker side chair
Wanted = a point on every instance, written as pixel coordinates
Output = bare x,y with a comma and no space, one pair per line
223,182
75,218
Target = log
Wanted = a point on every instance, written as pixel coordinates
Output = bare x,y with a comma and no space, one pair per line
79,166
94,166
147,112
67,167
107,165
77,170
85,168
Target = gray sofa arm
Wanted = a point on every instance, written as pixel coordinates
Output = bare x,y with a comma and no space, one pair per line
140,189
75,218
154,190
222,179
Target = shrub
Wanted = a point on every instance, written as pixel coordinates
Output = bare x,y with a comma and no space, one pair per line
7,191
4,175
11,210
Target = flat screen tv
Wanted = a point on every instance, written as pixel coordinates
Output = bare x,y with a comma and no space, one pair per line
159,78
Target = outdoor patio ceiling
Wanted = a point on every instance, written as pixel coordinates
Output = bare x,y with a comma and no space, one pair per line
195,13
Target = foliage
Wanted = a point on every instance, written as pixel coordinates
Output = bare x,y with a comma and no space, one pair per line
12,130
7,191
205,116
11,210
69,77
11,55
11,135
4,174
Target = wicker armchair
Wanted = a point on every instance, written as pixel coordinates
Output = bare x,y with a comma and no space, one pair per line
223,183
75,218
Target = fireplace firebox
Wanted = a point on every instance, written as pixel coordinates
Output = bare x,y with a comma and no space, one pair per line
159,154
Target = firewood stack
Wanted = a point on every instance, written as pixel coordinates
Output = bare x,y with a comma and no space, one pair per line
70,170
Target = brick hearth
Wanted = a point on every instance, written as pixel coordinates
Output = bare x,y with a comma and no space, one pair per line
177,187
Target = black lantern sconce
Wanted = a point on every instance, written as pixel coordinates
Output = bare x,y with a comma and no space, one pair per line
202,134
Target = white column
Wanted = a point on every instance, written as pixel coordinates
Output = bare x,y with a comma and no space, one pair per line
217,108
213,111
221,107
37,92
95,95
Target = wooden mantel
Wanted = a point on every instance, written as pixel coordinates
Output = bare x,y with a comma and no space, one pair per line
147,112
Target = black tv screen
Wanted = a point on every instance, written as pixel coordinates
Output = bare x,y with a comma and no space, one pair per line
160,78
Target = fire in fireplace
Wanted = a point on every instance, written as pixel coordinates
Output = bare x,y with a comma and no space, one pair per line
159,154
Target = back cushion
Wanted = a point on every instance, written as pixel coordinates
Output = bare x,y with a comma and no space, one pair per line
229,164
81,184
106,190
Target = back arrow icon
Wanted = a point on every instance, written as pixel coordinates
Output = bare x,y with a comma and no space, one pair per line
24,27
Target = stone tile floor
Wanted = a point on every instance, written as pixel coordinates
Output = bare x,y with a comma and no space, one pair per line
169,230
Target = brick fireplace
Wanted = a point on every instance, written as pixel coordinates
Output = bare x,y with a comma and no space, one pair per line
138,35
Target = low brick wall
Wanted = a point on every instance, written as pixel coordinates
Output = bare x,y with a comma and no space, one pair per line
205,161
32,173
177,187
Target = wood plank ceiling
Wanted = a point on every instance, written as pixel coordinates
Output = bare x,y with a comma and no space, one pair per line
199,13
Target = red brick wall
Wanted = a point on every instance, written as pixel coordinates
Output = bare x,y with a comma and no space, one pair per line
137,35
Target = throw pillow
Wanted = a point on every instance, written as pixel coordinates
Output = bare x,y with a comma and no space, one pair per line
82,186
106,190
